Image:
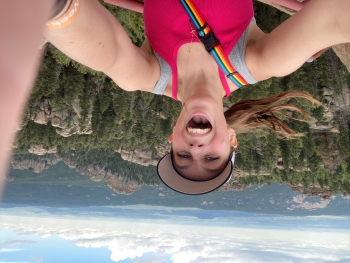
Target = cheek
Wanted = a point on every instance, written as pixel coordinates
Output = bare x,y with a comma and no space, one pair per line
221,143
179,126
178,138
176,131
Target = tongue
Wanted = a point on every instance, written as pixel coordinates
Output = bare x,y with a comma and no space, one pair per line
199,120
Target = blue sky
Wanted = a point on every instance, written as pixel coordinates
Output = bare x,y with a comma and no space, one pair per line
35,235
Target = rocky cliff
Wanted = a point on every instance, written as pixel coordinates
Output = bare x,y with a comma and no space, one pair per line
67,119
144,156
37,165
118,183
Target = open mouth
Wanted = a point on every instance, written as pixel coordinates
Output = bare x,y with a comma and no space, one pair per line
199,125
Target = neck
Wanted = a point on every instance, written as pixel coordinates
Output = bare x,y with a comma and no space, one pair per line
198,75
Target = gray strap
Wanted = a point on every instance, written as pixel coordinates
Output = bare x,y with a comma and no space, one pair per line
165,74
237,57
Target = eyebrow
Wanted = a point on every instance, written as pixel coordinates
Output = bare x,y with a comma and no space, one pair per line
216,170
205,168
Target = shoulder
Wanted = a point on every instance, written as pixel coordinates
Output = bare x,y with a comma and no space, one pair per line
160,67
153,64
136,68
253,51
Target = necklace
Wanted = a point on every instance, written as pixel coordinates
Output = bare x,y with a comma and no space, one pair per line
192,32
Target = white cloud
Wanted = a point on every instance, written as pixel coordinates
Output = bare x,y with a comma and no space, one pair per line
154,259
12,243
6,250
184,243
37,259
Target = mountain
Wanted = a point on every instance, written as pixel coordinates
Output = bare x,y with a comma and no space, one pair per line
60,186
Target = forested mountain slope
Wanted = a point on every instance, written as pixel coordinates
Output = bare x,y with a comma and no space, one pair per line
82,116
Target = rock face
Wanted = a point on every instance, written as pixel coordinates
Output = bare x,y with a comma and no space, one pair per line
336,103
144,156
96,174
122,184
329,151
139,156
41,150
37,165
118,183
67,120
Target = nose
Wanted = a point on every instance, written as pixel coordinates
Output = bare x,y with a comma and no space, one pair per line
198,145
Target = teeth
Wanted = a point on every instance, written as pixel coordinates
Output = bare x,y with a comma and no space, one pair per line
198,131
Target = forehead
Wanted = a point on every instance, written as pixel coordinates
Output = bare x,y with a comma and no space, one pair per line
212,149
197,170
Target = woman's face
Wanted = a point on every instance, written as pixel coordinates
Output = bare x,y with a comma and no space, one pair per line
201,141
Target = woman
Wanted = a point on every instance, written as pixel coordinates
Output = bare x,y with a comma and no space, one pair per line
172,61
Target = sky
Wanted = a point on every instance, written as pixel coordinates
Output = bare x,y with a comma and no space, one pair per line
32,234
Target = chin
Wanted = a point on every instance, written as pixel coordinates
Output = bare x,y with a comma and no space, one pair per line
198,100
206,106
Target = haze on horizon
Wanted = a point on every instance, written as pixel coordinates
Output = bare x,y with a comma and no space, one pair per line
142,240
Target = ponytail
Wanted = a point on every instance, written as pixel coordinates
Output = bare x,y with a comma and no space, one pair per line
248,115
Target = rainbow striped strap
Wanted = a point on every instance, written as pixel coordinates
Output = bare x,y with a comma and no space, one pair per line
212,44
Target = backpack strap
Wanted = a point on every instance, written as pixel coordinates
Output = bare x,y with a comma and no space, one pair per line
211,43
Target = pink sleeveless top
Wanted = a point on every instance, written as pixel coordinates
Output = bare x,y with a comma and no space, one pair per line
167,27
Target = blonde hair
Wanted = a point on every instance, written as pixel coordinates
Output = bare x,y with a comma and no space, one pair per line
248,115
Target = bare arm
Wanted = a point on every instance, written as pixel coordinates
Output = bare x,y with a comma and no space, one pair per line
320,24
96,39
21,26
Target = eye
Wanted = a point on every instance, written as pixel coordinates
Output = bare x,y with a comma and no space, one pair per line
184,156
211,159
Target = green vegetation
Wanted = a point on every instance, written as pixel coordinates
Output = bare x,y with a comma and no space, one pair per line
124,120
61,175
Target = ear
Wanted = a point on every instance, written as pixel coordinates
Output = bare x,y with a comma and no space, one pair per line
232,136
170,138
234,141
